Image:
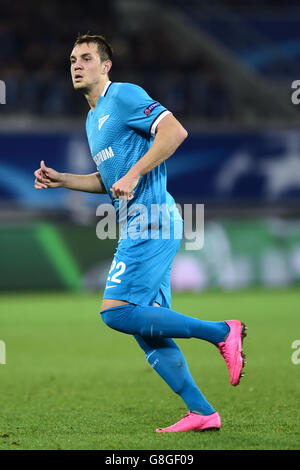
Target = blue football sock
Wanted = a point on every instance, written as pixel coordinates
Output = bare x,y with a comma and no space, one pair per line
162,322
166,358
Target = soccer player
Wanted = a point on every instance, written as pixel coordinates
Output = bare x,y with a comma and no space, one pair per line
130,136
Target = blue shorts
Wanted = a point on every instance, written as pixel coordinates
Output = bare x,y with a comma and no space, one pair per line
141,270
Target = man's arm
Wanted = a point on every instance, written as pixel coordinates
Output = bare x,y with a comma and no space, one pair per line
169,136
49,178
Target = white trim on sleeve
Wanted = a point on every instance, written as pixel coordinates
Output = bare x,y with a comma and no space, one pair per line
157,120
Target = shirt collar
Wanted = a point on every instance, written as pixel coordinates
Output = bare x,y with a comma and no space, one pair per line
105,87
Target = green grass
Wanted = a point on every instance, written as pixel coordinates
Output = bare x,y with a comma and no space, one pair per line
70,382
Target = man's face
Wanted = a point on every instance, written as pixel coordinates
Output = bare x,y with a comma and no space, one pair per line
86,66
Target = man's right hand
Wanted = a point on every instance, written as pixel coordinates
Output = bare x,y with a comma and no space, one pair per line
47,177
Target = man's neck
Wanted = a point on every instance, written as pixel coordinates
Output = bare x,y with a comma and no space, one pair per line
94,95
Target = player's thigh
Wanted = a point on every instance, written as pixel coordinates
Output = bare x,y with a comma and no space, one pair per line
110,303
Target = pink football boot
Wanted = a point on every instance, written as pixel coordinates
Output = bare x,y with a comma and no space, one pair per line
195,422
232,350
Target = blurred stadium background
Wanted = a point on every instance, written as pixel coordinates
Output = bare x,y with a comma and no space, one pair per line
224,68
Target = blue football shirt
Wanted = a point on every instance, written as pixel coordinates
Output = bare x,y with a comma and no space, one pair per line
120,131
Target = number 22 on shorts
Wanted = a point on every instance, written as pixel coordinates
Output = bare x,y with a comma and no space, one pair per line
120,267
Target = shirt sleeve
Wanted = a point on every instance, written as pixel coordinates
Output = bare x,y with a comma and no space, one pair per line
141,112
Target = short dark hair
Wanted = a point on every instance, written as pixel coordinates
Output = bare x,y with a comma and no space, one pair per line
105,50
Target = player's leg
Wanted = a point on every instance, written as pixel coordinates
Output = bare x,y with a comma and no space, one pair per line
135,277
162,322
110,303
166,358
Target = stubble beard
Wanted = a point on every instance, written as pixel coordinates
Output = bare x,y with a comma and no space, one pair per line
84,90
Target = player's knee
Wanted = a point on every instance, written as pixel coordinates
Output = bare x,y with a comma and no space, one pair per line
117,318
110,318
107,318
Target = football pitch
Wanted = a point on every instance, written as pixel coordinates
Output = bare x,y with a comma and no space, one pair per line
70,382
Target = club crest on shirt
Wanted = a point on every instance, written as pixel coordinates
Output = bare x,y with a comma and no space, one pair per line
102,121
151,107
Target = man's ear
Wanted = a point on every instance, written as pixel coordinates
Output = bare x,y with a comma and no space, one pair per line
106,66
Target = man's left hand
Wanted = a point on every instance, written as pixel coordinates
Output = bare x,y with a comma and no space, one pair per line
124,187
